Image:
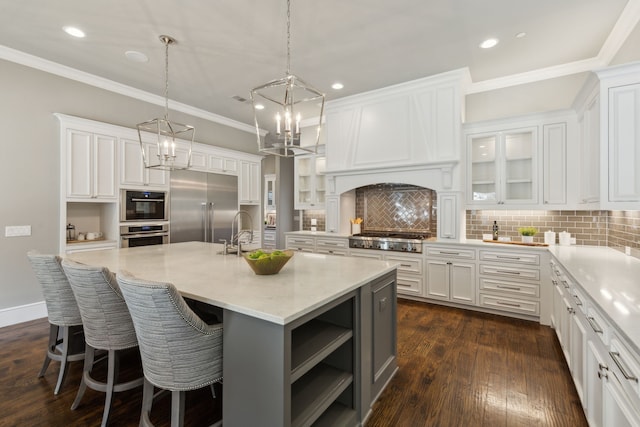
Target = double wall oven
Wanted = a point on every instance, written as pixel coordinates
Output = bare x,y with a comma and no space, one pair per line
144,218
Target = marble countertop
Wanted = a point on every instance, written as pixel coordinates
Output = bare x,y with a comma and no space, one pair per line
308,281
610,278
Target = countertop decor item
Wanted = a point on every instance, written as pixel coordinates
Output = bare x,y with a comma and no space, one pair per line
527,234
264,262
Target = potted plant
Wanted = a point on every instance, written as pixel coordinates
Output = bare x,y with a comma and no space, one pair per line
527,234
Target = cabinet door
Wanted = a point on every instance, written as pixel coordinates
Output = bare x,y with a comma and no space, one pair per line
79,164
462,279
319,182
104,174
333,214
483,150
249,183
617,410
447,216
590,153
555,163
520,166
593,388
438,279
624,143
578,347
132,170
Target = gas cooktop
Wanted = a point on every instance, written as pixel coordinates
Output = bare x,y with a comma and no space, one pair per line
389,241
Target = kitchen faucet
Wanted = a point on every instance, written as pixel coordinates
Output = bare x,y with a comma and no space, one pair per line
235,238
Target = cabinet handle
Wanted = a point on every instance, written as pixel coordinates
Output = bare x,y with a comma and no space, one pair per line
448,253
329,243
602,375
617,359
602,366
508,257
555,282
511,288
571,310
578,302
508,272
565,284
405,265
594,325
510,304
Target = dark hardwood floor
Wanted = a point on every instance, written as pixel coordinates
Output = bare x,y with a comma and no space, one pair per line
457,368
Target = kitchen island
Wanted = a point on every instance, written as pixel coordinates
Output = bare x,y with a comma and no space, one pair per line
314,343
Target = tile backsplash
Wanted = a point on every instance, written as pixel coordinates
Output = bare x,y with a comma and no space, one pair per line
617,229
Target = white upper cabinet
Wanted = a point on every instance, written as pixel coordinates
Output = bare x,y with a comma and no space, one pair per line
620,137
132,170
554,151
309,184
249,183
90,166
503,167
589,157
403,125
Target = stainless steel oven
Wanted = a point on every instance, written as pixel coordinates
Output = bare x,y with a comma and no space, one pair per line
143,235
143,206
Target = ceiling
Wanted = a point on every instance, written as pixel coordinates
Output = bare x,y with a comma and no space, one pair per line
226,47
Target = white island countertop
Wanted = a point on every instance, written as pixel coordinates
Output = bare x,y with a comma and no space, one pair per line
611,279
306,282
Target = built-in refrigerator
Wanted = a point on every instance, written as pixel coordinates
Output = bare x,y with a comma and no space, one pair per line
202,206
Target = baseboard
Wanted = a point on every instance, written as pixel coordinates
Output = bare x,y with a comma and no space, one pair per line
22,313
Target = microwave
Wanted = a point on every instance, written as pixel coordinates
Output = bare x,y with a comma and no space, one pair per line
144,206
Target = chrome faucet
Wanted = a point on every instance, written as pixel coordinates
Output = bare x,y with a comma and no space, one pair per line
235,238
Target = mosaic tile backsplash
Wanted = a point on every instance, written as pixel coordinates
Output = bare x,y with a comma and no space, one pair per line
397,207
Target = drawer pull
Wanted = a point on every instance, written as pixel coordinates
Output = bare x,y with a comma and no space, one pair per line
508,257
616,358
594,325
405,265
510,304
602,375
508,272
448,253
511,288
555,282
329,244
571,310
578,302
565,284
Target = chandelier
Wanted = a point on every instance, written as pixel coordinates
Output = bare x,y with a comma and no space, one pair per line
287,111
159,148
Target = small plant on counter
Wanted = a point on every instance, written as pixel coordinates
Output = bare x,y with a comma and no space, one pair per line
527,231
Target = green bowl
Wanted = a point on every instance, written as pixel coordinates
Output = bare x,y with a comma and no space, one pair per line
270,264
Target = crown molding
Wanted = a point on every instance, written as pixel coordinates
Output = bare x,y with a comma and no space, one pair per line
90,79
623,27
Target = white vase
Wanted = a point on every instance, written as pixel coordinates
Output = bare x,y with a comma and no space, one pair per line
527,239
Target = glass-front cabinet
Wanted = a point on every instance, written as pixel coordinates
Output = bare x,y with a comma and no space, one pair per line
503,168
309,186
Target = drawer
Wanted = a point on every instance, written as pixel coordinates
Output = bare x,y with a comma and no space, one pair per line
628,366
409,285
303,244
332,244
514,305
512,272
365,254
407,265
450,253
510,288
510,257
269,237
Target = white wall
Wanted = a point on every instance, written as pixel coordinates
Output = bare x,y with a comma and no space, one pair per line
29,171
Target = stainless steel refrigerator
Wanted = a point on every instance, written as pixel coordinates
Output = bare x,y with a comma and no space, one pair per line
202,206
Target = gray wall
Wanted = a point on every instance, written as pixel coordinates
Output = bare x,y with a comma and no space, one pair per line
29,173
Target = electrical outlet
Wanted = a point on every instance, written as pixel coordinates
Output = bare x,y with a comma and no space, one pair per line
17,230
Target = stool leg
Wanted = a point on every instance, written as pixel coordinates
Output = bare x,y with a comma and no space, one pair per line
147,402
89,354
112,374
177,408
53,338
64,364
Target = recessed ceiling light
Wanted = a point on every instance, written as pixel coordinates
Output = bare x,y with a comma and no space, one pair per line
73,31
489,43
337,86
135,56
521,35
259,107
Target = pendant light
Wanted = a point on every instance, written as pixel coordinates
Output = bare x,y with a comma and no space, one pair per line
287,111
159,137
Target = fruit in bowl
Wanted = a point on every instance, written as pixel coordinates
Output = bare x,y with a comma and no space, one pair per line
264,262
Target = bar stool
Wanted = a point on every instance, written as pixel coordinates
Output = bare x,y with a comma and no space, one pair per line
179,351
66,340
107,326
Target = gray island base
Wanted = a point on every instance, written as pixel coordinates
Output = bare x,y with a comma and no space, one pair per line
312,345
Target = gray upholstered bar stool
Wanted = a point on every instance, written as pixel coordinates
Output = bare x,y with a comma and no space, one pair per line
107,326
66,340
179,351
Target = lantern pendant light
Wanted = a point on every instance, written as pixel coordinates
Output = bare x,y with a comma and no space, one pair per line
159,138
288,112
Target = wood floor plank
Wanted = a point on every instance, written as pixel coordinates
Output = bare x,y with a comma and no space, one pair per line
456,368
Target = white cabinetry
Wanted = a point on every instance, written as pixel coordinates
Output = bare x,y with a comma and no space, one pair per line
448,277
90,166
587,164
620,137
332,246
554,150
309,184
503,167
249,183
132,170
